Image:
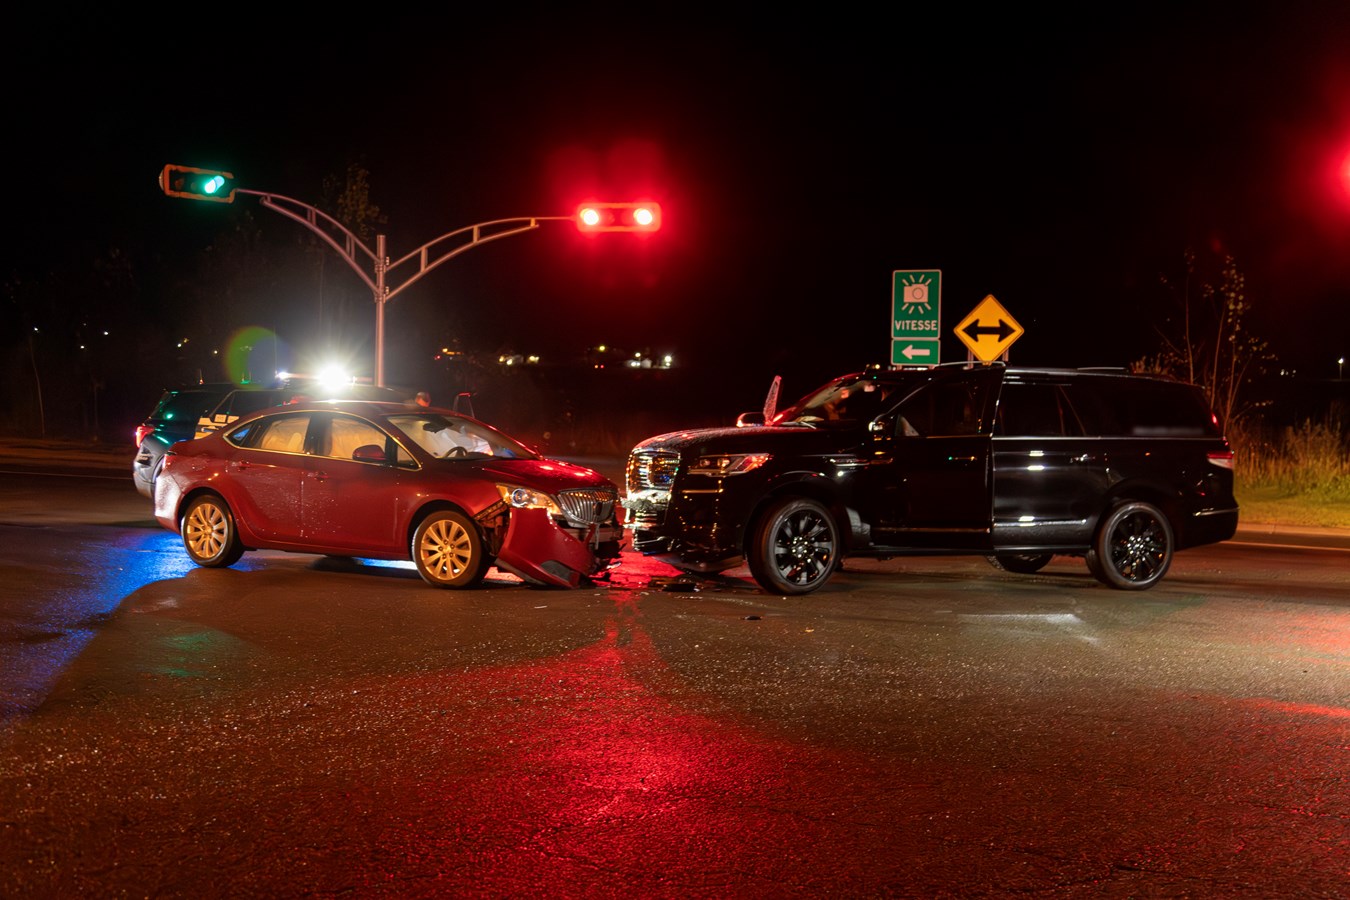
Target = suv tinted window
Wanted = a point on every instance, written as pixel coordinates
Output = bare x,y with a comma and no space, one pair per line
185,406
948,408
241,403
1036,410
1156,408
1104,406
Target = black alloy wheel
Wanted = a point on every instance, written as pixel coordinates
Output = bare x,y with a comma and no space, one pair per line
1133,547
795,547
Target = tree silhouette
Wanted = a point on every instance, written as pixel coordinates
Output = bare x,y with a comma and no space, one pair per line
1205,336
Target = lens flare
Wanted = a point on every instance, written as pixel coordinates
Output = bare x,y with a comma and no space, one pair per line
254,354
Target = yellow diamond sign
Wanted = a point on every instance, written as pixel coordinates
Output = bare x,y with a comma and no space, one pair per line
988,331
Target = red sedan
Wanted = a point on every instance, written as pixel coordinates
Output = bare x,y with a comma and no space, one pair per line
384,480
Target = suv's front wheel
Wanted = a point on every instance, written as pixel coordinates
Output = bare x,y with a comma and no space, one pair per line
795,547
1133,547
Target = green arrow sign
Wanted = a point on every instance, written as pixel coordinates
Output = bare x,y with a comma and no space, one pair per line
915,351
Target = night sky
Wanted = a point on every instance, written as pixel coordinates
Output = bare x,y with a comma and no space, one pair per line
1058,163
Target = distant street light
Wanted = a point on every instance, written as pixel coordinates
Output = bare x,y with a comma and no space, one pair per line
1340,369
205,184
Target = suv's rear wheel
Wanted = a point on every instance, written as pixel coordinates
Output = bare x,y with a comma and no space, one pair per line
795,547
1133,547
1021,563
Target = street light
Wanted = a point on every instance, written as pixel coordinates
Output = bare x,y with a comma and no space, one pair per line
1340,369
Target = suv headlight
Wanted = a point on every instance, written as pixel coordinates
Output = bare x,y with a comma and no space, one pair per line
729,464
518,497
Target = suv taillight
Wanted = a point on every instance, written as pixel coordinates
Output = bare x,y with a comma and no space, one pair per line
1223,460
142,432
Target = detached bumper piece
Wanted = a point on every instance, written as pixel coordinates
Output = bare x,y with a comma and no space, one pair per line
540,552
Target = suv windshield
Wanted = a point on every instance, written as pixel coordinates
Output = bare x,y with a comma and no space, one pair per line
847,401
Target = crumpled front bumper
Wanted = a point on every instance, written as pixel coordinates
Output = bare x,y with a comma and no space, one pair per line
540,552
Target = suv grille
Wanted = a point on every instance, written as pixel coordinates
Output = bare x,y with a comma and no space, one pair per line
588,507
652,469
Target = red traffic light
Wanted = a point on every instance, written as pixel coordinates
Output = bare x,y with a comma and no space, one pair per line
618,216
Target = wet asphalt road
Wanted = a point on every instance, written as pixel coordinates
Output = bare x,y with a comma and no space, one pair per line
922,728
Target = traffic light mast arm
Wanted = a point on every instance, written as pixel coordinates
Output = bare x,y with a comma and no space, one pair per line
352,249
472,235
358,256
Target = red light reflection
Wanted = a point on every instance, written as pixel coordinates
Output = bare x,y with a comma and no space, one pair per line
594,769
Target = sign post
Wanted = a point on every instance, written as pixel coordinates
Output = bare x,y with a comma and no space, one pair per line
916,311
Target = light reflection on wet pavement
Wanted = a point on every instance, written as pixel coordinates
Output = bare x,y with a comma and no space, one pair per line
299,726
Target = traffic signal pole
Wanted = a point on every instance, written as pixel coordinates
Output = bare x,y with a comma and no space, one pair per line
373,266
218,186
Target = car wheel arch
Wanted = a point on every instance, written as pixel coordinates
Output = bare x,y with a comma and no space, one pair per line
813,487
454,555
187,499
241,526
1161,496
492,537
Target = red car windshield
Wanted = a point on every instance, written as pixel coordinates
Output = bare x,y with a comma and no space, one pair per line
454,436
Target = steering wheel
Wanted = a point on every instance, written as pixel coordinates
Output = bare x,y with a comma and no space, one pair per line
456,451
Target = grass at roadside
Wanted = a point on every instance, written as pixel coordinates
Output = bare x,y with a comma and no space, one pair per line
1295,475
1266,504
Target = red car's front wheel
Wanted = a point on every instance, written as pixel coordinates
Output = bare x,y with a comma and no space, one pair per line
448,550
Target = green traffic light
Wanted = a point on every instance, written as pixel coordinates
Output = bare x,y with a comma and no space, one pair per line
197,184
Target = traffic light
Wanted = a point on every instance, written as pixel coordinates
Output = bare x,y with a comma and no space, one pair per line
619,216
197,184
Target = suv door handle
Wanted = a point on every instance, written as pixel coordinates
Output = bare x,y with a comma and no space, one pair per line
1087,458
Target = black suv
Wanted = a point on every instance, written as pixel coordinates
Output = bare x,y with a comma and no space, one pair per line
196,410
1016,464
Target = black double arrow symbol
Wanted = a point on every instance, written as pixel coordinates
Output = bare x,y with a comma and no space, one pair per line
974,330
